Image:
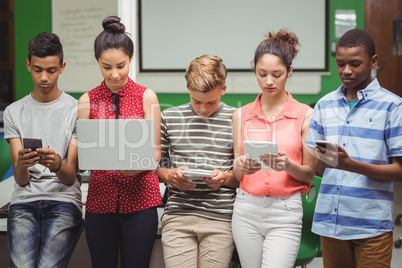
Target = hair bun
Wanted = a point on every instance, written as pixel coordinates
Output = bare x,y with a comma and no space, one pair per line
112,24
284,36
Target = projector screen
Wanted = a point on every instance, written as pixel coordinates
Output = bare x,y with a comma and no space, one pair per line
172,33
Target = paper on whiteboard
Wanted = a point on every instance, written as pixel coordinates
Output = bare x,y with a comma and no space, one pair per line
77,23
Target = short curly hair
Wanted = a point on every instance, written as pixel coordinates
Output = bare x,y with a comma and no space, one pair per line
45,44
358,38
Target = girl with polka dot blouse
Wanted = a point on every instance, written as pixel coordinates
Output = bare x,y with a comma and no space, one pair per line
121,205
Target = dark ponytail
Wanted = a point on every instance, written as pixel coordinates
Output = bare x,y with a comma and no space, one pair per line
113,37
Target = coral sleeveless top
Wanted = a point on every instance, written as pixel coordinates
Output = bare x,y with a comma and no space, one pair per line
285,130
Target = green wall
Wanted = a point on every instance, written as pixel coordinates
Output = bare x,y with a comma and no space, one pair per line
33,17
332,82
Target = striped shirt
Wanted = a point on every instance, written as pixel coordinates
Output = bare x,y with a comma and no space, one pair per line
202,144
350,205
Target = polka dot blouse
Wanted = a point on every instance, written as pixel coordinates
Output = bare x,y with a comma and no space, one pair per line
111,192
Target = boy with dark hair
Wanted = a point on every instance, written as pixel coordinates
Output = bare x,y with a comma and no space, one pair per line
363,121
196,226
45,219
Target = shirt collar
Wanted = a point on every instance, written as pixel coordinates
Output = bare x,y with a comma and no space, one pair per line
122,92
366,93
221,105
289,110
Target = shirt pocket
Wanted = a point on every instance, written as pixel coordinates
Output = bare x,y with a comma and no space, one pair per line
371,122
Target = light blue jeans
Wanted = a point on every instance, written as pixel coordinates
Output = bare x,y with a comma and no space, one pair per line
43,233
267,229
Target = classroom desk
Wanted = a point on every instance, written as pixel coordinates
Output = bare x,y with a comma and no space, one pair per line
80,256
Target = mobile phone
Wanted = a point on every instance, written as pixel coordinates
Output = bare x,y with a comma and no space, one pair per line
196,173
325,144
32,143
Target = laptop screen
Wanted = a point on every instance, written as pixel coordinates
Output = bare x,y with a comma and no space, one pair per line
116,144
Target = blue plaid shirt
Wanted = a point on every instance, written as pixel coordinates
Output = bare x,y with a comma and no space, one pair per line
350,205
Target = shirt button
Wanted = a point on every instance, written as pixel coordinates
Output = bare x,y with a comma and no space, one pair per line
344,144
335,209
347,122
370,120
337,188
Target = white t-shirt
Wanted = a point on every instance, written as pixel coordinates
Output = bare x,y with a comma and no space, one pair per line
55,123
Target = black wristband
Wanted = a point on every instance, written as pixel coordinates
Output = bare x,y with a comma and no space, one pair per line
58,167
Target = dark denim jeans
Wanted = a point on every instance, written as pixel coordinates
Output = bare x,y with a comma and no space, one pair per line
134,233
43,233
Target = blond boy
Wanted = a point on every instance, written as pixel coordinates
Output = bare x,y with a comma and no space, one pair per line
198,136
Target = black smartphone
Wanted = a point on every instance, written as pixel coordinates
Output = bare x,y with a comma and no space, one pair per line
32,143
326,144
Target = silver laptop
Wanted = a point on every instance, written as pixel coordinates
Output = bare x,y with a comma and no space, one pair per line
116,144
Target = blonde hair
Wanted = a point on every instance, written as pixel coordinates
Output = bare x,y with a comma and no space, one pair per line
205,73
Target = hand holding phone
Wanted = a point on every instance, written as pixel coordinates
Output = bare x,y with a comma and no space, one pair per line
32,143
32,157
325,144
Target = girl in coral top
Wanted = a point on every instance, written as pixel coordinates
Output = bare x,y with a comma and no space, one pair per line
267,216
121,205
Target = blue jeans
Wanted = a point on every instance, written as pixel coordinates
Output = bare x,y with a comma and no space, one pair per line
133,232
43,233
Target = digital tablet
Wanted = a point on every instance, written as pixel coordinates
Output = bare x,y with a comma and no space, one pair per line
196,173
254,149
325,144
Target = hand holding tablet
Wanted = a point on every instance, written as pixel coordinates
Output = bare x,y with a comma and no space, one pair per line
196,173
255,149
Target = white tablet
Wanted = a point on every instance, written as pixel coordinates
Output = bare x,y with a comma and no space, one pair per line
254,149
196,173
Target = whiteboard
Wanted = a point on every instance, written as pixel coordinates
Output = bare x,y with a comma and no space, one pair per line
172,33
77,23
